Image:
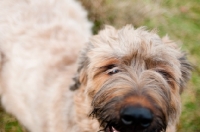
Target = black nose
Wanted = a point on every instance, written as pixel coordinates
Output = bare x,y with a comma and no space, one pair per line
135,115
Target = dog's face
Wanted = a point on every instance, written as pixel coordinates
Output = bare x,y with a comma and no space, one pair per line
133,79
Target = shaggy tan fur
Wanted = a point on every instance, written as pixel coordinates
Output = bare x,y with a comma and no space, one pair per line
39,45
131,66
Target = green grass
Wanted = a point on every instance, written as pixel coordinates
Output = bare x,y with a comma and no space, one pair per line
180,19
9,123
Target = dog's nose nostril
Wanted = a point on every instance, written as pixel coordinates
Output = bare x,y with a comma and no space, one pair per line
127,120
134,115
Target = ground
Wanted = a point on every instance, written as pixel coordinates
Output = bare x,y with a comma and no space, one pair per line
177,18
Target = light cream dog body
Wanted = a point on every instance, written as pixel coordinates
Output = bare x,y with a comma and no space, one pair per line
39,43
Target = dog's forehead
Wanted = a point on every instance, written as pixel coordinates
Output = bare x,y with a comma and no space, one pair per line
129,42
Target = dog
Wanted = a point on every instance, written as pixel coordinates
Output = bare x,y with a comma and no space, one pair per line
56,77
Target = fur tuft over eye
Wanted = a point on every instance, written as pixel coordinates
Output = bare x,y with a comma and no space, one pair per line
112,69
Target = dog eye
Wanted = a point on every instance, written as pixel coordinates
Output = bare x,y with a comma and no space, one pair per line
165,74
113,71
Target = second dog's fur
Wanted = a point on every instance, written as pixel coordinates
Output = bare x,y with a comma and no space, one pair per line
39,45
126,80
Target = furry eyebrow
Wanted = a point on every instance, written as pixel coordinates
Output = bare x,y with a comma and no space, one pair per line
109,66
108,62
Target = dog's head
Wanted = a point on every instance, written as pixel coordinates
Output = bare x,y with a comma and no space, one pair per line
133,79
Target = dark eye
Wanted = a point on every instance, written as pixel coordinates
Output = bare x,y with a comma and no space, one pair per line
165,74
112,70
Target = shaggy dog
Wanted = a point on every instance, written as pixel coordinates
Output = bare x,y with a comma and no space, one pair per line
126,80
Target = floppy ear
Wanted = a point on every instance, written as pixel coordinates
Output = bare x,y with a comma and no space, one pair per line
76,84
186,69
81,75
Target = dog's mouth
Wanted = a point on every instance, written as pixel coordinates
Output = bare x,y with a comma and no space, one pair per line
111,129
134,128
114,130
